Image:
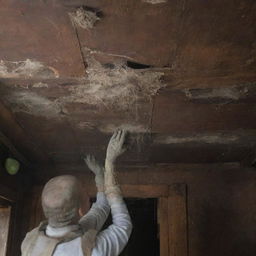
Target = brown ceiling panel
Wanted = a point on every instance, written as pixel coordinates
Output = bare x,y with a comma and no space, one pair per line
202,111
208,147
136,30
217,37
38,33
182,81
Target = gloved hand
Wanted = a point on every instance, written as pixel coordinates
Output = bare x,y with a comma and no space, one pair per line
97,169
115,148
116,145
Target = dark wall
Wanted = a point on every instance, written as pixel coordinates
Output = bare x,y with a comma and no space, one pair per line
221,204
13,189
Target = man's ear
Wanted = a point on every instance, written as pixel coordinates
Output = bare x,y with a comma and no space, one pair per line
80,212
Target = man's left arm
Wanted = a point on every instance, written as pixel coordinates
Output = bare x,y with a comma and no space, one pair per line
99,211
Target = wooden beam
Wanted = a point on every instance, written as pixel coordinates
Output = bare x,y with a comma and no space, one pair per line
203,147
176,112
177,220
163,226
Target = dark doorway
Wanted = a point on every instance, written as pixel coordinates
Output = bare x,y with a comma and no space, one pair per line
144,239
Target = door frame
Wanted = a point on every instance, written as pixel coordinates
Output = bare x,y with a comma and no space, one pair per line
171,212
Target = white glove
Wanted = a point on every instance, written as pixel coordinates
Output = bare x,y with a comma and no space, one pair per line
97,169
115,148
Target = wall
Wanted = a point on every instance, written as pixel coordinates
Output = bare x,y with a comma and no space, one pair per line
221,204
13,188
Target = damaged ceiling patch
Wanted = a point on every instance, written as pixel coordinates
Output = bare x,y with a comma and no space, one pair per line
26,69
116,86
154,1
83,18
201,138
232,93
33,104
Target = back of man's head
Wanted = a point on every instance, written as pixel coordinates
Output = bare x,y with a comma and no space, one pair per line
60,200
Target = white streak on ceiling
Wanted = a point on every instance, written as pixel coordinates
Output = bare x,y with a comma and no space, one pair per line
26,69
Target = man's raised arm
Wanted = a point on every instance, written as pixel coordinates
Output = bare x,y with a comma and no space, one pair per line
111,241
99,211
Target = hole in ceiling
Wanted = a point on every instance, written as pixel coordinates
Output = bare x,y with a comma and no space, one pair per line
109,65
136,65
97,11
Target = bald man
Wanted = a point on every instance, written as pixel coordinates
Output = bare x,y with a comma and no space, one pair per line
64,233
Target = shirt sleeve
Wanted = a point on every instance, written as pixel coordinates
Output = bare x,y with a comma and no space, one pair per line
111,241
97,215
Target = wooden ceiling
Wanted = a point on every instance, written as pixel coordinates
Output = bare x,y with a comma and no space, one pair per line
180,75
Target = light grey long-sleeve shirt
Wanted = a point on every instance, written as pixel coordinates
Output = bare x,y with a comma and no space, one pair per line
109,242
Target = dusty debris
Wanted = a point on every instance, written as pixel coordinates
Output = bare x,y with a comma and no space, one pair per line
117,86
26,69
155,1
83,18
232,93
34,104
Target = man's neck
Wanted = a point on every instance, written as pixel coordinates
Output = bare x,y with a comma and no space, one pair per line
60,231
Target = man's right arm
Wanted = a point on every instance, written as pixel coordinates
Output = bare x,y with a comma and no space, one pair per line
112,241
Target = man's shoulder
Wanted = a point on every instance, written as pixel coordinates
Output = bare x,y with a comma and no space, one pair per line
32,232
32,236
29,239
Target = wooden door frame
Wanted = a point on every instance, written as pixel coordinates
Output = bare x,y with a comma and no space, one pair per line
11,197
172,213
